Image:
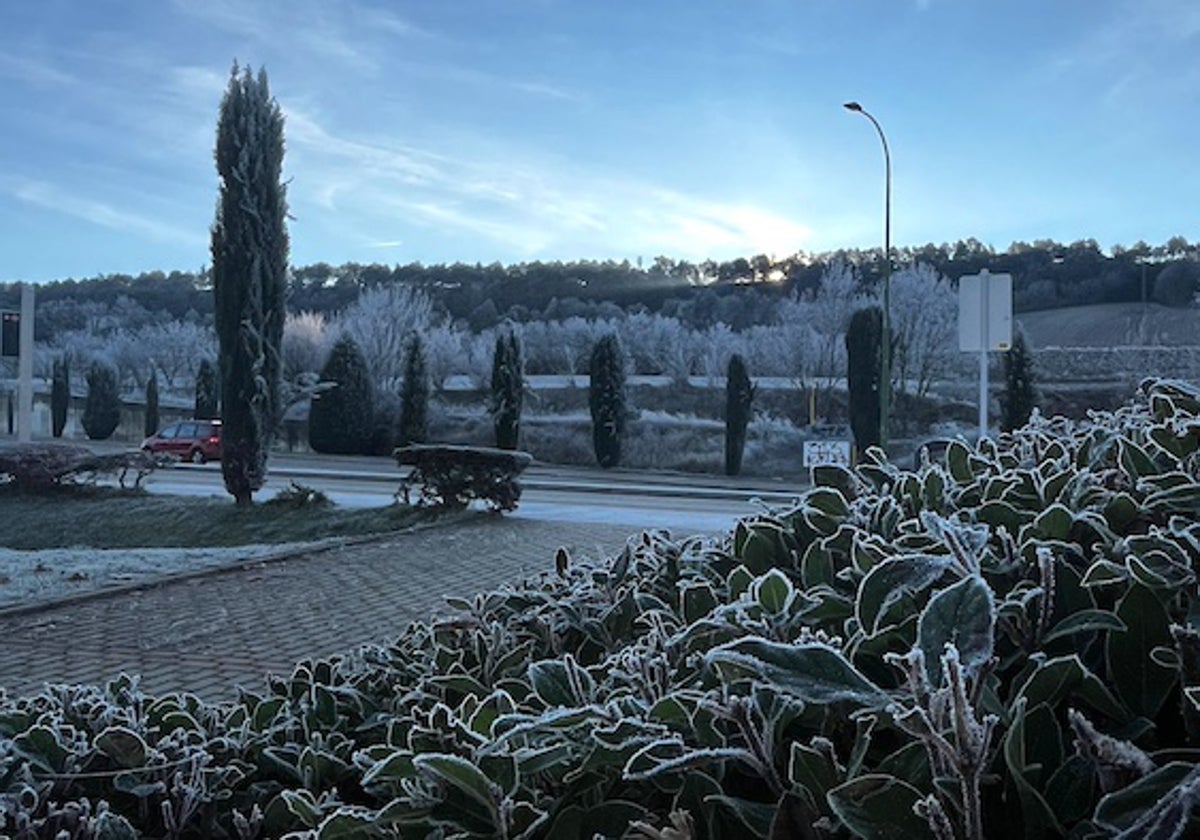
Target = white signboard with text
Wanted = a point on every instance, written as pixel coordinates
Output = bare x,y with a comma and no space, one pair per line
817,452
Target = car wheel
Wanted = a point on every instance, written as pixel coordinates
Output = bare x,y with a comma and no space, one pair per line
196,456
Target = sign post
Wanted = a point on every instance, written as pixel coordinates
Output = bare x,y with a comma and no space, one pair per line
984,324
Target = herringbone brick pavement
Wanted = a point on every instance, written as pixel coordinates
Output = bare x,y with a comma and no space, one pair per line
208,633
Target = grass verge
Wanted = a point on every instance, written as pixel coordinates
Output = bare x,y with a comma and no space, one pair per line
101,517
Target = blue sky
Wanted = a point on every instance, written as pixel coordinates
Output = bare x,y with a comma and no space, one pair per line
482,130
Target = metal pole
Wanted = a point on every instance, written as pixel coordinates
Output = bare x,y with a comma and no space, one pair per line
25,367
885,348
984,338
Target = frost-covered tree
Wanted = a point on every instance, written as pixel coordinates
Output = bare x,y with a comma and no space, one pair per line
508,390
249,274
414,395
102,409
924,321
739,397
206,392
607,401
171,348
829,311
151,424
60,395
305,344
1020,394
341,420
379,322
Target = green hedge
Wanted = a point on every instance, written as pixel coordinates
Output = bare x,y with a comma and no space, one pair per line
1001,645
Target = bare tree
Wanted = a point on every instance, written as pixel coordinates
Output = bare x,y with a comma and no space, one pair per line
379,322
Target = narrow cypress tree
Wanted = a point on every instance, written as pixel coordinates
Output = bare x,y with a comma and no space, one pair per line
152,405
249,272
341,419
739,395
508,390
102,410
1020,394
606,398
60,396
863,337
206,392
414,395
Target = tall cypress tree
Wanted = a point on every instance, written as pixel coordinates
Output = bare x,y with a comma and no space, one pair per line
341,419
249,272
102,410
414,395
606,398
206,392
739,395
508,390
1020,394
60,396
863,337
152,405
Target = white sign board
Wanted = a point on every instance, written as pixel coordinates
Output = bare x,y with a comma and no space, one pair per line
818,452
985,312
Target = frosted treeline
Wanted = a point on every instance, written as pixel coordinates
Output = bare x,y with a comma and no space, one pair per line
805,342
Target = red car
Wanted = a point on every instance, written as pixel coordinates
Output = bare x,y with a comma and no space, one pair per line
191,440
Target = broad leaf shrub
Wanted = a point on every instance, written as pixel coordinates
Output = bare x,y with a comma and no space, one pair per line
1001,645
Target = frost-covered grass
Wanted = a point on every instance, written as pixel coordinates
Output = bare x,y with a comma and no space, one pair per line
105,518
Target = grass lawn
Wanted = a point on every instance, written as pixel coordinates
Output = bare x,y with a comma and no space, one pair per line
100,517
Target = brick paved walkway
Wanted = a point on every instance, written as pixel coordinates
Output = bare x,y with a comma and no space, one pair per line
208,634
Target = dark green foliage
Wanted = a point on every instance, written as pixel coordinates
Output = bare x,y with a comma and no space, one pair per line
1177,284
739,395
249,274
881,659
206,392
341,420
414,395
863,341
508,390
451,476
60,395
606,398
102,410
1020,395
151,405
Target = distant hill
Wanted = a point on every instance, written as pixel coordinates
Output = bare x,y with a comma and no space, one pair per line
1111,325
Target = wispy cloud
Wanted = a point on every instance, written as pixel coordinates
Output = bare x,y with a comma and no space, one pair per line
34,71
52,197
529,207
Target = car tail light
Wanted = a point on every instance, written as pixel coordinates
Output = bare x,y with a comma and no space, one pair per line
214,440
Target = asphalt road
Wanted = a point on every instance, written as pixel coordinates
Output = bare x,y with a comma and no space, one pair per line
700,504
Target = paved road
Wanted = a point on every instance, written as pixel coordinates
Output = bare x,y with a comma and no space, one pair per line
209,633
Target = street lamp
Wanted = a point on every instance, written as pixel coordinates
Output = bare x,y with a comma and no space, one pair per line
885,346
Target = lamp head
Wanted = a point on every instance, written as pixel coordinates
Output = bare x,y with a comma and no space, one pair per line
852,106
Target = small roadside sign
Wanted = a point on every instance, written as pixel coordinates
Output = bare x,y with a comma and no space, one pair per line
817,452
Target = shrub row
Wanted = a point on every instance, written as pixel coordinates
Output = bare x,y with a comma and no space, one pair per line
1001,645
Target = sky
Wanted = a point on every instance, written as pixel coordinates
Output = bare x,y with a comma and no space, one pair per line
515,130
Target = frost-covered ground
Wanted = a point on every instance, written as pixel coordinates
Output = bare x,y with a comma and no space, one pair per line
34,577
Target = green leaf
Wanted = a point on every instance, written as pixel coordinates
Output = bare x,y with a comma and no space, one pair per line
1122,809
1054,523
879,807
551,683
963,615
773,591
462,776
398,765
1142,684
1036,813
888,582
812,672
1085,621
1067,676
124,746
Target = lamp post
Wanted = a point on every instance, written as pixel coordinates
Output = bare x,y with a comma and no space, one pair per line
885,348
